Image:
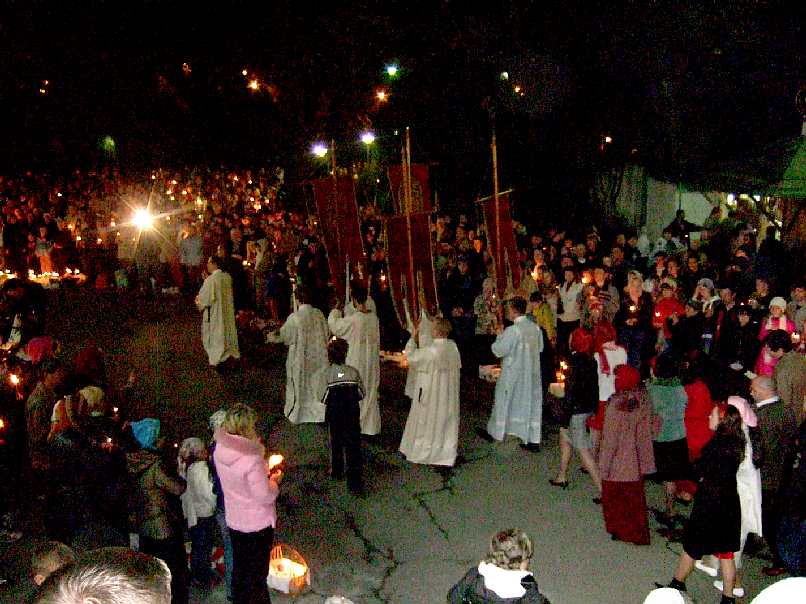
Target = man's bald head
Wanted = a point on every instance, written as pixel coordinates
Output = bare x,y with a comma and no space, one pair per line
762,388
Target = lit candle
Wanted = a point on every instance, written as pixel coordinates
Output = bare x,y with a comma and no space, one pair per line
114,409
632,307
796,338
275,460
14,379
657,314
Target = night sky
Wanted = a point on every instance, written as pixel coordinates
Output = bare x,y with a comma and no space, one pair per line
680,86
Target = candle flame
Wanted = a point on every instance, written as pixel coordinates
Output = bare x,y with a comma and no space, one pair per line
275,460
14,379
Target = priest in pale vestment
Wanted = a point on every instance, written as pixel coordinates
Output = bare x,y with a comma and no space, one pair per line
431,435
518,404
361,330
219,333
305,332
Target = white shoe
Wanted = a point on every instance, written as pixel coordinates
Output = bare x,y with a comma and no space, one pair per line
738,592
708,570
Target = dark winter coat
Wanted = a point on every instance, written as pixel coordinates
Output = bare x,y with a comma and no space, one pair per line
581,387
471,590
154,496
714,526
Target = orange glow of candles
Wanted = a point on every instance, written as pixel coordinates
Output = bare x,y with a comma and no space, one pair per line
14,379
275,460
2,424
657,314
632,308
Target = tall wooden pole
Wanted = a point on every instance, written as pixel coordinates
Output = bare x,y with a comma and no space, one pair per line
498,262
407,176
336,207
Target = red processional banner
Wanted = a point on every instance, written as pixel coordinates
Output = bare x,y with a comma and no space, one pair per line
420,189
423,289
337,209
498,220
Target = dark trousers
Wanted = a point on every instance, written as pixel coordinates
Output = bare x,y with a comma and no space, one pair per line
564,329
770,521
344,424
250,565
201,544
172,552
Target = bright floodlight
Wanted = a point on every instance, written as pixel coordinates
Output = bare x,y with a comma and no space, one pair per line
143,219
381,95
254,85
608,139
391,70
367,138
319,149
504,75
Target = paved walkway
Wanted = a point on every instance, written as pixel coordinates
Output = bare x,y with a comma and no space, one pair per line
419,528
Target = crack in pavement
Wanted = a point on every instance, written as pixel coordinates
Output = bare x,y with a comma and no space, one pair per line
418,497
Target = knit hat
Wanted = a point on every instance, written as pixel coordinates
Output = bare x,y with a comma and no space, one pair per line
146,431
94,397
779,302
581,341
627,378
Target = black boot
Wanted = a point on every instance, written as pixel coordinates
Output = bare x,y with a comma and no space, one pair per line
726,600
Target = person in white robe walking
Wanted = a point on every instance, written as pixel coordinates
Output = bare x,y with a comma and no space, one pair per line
362,332
431,435
518,406
219,334
305,332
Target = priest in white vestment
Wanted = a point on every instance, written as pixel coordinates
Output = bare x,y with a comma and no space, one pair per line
219,333
362,332
305,332
518,404
431,435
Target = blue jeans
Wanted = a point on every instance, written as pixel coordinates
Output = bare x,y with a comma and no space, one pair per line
224,529
201,544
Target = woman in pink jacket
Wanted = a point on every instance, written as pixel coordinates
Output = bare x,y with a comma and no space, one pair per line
250,492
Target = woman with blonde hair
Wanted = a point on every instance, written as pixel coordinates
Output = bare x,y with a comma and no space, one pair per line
503,576
250,491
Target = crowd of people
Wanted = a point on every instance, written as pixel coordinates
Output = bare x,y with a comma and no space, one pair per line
682,359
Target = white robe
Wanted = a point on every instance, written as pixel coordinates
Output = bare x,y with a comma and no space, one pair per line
518,407
362,333
424,335
305,333
748,485
431,435
219,334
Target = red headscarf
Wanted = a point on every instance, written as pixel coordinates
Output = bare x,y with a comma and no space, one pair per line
627,378
603,332
581,341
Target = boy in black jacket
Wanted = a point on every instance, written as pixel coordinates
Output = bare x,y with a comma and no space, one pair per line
342,396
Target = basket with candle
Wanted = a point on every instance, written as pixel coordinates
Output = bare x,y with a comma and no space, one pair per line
288,571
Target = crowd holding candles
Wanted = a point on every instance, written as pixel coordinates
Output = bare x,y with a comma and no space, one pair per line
731,320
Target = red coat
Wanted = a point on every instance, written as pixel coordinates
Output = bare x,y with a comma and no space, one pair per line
698,409
626,454
664,308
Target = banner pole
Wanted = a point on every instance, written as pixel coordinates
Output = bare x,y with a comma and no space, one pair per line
499,266
407,172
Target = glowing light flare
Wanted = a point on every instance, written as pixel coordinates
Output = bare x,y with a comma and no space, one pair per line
381,96
254,85
14,379
392,70
517,89
608,139
319,149
244,72
275,460
2,424
504,75
367,138
142,219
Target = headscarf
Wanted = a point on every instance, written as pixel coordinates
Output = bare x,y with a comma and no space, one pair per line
146,431
581,341
94,397
603,333
90,362
748,415
39,349
627,378
191,447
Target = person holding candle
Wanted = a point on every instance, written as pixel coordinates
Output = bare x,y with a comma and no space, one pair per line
568,317
581,397
775,320
634,321
250,494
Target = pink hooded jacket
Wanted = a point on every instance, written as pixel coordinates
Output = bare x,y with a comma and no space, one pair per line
249,494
